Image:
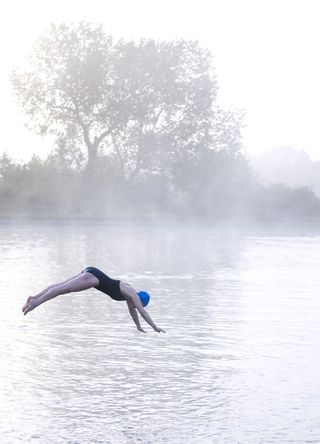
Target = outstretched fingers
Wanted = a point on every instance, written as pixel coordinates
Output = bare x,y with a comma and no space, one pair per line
30,306
27,303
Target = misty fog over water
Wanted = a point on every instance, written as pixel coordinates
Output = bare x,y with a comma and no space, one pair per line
147,178
238,364
137,127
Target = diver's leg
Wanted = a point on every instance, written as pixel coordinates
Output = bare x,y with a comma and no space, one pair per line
79,283
46,289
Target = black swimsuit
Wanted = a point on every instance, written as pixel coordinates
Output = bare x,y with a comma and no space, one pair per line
109,286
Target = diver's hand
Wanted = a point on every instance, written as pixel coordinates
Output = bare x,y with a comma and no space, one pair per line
29,305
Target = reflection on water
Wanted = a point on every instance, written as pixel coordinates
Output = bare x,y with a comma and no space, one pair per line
238,363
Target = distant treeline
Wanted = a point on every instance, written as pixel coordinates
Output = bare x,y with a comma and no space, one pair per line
136,129
222,187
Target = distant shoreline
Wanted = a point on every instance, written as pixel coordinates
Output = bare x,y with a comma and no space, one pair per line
236,222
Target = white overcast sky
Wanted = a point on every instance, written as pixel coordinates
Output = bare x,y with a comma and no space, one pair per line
266,54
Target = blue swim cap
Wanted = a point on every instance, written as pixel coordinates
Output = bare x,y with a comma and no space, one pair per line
144,297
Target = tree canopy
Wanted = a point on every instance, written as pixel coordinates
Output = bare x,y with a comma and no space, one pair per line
140,119
144,104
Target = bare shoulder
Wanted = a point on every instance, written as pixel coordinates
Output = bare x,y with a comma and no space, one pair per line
127,291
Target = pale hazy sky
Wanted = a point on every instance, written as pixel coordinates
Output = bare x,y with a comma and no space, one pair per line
266,54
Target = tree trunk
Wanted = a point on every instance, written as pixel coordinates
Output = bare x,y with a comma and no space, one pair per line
92,160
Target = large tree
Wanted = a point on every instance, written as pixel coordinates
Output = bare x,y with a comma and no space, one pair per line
141,102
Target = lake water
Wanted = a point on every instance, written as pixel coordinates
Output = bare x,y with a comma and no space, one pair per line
239,362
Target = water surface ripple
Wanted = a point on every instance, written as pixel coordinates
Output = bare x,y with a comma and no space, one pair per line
238,364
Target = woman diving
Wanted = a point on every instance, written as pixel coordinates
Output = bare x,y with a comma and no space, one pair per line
93,277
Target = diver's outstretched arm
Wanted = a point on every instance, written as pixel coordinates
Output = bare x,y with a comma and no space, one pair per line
134,316
133,299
